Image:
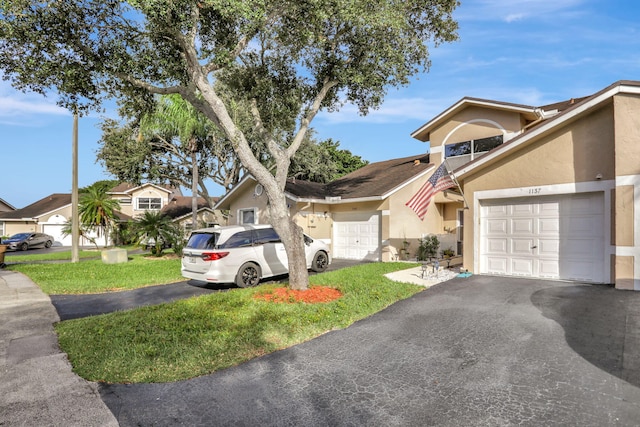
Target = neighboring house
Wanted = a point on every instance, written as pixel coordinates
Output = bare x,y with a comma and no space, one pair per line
50,214
361,215
558,197
4,207
47,215
135,199
179,209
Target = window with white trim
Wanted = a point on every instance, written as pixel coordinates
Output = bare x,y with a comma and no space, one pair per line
247,216
472,147
461,153
149,203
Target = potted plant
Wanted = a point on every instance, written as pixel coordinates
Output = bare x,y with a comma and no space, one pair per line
447,253
428,248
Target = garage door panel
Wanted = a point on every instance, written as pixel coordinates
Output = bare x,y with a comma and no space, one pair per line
580,248
497,246
496,210
584,204
497,226
559,237
522,266
521,246
525,209
548,247
497,265
549,268
549,226
549,208
577,270
523,225
588,225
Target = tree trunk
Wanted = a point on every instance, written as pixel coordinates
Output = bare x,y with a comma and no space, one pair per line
194,188
289,232
292,238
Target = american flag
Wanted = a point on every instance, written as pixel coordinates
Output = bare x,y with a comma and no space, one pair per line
440,180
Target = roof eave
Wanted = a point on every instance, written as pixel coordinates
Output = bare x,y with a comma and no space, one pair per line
548,126
423,131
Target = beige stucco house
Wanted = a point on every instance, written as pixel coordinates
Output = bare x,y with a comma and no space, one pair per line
557,198
547,192
361,215
47,215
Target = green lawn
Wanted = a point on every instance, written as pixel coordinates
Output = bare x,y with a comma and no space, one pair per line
51,256
94,276
200,335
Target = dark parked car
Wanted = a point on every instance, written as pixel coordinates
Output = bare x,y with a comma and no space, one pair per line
24,241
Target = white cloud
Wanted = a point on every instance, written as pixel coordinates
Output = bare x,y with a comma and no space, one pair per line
21,109
394,110
12,107
514,10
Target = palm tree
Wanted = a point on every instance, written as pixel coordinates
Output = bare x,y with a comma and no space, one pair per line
84,232
174,118
157,227
97,210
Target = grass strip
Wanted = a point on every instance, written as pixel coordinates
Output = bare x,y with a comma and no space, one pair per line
201,335
51,256
94,276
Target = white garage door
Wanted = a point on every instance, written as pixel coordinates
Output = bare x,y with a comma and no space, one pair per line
556,237
356,236
55,230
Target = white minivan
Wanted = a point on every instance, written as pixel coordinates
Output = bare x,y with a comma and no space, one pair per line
244,254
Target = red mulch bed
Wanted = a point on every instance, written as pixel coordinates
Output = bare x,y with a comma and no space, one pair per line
313,295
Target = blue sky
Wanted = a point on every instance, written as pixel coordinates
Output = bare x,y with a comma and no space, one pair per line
532,52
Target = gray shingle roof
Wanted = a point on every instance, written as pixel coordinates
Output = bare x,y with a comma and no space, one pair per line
42,206
374,179
181,205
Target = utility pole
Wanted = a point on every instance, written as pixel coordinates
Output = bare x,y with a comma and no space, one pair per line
75,220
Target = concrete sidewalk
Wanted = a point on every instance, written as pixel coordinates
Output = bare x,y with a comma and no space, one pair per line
37,385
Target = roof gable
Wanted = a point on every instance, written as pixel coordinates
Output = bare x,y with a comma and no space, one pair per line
6,206
424,131
567,111
128,188
41,207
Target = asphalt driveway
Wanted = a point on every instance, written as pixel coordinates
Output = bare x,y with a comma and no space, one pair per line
77,306
479,351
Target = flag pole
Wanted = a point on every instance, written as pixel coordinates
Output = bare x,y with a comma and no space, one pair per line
453,177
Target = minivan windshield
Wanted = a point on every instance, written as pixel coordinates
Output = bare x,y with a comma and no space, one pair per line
205,240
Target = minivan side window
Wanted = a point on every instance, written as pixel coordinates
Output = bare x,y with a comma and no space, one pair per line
238,240
266,235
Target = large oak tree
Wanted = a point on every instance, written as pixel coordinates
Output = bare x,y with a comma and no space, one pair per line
287,59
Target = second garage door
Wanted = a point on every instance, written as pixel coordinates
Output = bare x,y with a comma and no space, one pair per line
555,237
356,236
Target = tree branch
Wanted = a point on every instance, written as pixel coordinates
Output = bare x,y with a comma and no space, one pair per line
311,113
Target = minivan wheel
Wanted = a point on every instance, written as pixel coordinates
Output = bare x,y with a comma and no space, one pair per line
320,262
248,275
